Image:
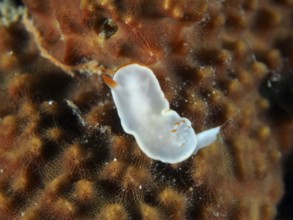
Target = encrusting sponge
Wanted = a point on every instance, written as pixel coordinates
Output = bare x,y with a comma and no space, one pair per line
144,113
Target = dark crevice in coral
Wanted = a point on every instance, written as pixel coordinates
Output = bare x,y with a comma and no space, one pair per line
47,86
177,177
201,197
217,115
110,189
17,32
285,210
150,197
18,2
207,56
264,19
50,151
285,44
185,74
97,144
105,28
133,209
278,89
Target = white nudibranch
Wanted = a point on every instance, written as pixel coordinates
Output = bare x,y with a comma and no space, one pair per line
144,113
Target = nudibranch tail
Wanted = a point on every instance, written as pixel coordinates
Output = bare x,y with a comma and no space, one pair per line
207,137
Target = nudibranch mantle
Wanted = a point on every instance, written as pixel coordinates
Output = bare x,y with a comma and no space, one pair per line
145,113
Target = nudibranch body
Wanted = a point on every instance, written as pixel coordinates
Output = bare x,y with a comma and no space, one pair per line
144,113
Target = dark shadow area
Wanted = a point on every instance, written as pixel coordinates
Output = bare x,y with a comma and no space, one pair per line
18,2
285,207
278,89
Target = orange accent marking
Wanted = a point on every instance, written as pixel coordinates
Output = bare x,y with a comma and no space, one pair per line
109,81
174,130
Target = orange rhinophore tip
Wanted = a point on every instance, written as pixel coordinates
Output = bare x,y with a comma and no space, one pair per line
109,81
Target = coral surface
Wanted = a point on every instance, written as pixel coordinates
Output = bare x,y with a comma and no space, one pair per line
63,152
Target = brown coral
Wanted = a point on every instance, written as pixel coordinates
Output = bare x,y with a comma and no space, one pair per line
63,152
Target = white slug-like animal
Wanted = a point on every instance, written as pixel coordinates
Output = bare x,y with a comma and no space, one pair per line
144,113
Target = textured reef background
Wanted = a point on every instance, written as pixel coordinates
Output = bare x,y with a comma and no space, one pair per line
63,152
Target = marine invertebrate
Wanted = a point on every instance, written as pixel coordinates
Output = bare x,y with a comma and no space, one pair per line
144,112
63,152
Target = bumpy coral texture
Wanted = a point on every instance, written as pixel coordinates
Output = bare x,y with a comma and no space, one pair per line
63,152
